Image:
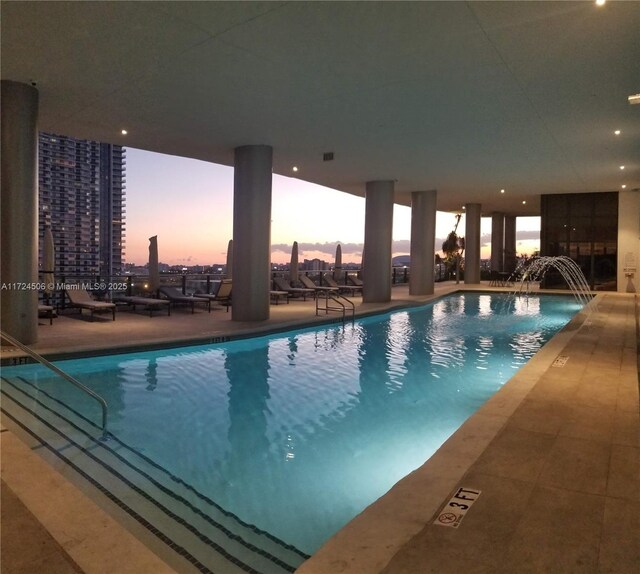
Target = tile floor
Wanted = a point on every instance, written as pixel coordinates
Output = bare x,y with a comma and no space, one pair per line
556,454
560,480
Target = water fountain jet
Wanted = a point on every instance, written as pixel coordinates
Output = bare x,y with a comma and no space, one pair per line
567,267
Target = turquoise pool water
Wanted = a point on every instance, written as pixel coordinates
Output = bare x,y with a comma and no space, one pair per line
296,433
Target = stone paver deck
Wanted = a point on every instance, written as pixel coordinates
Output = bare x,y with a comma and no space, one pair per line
556,454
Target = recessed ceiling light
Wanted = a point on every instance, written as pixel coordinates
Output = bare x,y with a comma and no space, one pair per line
295,168
621,167
124,132
600,2
502,191
524,201
464,207
617,132
634,99
623,186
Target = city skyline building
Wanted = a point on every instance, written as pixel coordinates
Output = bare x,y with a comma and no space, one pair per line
81,195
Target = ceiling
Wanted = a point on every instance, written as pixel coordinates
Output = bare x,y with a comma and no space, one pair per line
464,97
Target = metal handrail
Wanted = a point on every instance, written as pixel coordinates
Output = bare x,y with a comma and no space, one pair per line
40,359
335,297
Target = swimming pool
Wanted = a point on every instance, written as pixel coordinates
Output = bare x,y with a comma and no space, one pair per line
250,454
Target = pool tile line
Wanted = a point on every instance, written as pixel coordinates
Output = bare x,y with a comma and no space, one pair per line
181,551
631,421
361,547
154,464
195,510
57,452
244,333
205,539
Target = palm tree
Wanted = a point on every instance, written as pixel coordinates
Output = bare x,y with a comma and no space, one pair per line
453,248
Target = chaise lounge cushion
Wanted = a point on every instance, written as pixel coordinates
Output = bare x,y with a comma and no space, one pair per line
81,299
175,296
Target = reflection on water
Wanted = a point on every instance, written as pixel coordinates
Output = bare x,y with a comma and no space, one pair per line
152,374
484,305
298,433
524,305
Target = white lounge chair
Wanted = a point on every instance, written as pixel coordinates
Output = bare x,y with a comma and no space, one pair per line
283,285
80,299
177,298
352,289
222,296
309,284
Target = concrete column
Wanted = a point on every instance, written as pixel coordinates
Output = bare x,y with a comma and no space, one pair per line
497,242
423,239
252,232
472,243
19,211
510,243
378,228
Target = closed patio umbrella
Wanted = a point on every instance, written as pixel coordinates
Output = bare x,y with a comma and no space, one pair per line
229,274
293,266
48,261
154,269
337,268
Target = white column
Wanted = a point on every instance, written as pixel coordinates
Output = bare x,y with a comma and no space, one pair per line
510,243
497,242
252,232
19,210
472,243
378,232
423,239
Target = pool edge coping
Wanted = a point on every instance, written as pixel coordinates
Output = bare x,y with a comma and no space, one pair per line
94,532
10,358
83,499
370,540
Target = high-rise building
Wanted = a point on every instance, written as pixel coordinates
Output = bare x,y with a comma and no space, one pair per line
81,195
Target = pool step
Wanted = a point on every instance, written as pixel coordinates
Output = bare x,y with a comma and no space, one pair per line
195,526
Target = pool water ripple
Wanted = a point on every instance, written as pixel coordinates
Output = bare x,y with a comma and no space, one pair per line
297,433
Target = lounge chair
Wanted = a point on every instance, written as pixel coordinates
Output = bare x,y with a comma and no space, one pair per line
355,281
276,295
48,311
309,284
147,302
177,298
499,279
352,289
282,284
81,299
222,296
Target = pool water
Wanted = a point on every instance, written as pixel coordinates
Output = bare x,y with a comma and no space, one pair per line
297,433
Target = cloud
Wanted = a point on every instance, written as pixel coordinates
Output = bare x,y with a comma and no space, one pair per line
398,246
521,235
328,247
401,246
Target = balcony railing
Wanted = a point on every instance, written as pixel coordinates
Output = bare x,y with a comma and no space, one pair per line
106,288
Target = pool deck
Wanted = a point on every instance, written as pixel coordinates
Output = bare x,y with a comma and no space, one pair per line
555,454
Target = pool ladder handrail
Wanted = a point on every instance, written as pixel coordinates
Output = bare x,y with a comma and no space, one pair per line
40,359
335,297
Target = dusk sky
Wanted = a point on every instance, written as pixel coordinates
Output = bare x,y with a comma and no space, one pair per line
188,204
